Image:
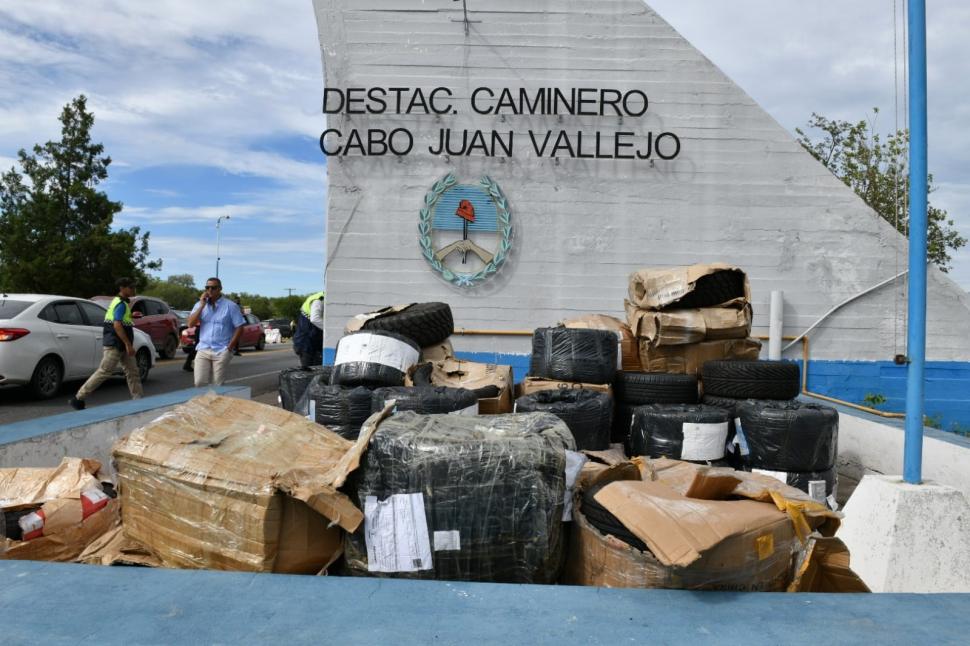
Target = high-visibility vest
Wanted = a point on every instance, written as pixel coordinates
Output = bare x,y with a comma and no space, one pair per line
111,339
308,303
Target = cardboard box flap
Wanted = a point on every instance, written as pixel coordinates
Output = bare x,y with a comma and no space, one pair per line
68,540
678,529
824,567
731,320
114,548
656,289
357,323
466,374
25,487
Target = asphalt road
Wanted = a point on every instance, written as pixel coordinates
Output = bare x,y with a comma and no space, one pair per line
258,370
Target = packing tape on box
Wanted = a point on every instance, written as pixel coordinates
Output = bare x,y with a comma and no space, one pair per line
376,348
704,441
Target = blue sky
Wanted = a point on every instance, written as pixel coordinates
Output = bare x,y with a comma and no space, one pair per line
212,108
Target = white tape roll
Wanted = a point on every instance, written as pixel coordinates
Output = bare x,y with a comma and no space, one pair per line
375,348
704,441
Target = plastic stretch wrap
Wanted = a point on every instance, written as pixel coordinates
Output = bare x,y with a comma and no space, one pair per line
588,414
571,354
820,485
788,435
373,359
622,421
679,431
467,498
731,406
229,484
342,409
426,400
294,383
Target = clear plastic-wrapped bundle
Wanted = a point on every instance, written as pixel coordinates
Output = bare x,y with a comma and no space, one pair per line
570,354
788,435
476,498
342,409
587,413
373,359
692,432
294,383
427,400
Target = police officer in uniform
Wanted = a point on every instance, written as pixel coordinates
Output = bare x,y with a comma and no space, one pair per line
308,337
119,346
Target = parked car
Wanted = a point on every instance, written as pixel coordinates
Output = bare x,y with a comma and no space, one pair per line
183,317
252,335
46,340
283,325
154,317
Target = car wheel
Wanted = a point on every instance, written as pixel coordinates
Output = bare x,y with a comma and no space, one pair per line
46,380
170,347
144,362
261,343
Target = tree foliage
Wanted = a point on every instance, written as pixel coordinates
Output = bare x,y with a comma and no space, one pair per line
55,225
181,293
877,170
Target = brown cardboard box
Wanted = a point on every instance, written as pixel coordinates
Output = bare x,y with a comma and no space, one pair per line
824,567
469,374
230,484
680,327
629,353
438,352
534,384
688,359
657,289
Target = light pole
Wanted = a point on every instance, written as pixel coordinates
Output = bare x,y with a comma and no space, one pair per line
218,230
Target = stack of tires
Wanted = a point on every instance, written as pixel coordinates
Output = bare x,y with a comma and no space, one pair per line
294,383
574,356
635,389
796,442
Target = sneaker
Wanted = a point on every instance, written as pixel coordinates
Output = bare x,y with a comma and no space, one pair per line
76,404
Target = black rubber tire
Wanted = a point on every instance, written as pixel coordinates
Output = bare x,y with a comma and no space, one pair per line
733,453
751,379
427,400
574,354
622,421
47,378
341,409
426,323
658,430
789,436
143,359
293,384
714,289
727,403
261,344
587,413
605,522
170,347
655,388
368,374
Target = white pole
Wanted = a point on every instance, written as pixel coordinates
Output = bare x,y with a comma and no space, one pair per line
775,325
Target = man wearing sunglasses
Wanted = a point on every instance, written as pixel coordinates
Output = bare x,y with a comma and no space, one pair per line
221,325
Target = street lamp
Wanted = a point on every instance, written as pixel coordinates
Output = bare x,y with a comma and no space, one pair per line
218,229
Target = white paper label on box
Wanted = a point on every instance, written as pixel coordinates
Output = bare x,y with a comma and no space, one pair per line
574,464
312,410
739,437
375,348
777,475
704,441
471,410
95,496
31,522
448,540
816,489
396,533
833,505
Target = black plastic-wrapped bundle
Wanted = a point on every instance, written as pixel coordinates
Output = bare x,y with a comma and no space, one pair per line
472,498
342,409
691,432
574,354
426,400
373,359
788,435
622,420
587,413
294,383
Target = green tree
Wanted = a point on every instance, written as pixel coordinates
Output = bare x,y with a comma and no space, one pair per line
877,170
55,225
178,290
288,307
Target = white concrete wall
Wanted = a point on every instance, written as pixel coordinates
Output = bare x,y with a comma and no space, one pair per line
741,191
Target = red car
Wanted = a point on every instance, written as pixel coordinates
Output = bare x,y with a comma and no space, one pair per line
155,318
253,335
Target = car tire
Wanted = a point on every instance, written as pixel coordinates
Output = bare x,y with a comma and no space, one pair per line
426,323
691,432
751,379
587,413
170,347
425,400
574,354
48,376
790,436
261,344
655,388
143,359
713,289
371,373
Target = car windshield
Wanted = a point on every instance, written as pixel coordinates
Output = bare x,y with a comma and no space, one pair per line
9,309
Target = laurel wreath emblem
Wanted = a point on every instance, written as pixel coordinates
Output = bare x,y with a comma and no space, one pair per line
504,230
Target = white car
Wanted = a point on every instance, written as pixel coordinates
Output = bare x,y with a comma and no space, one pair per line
47,340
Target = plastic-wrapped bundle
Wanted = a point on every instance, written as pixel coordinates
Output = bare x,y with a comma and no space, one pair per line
788,435
679,431
373,359
822,486
476,498
588,414
427,400
294,383
342,409
570,354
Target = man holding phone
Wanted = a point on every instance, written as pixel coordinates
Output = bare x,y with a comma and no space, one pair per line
222,324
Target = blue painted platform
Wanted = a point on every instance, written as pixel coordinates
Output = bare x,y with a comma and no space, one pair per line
49,603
